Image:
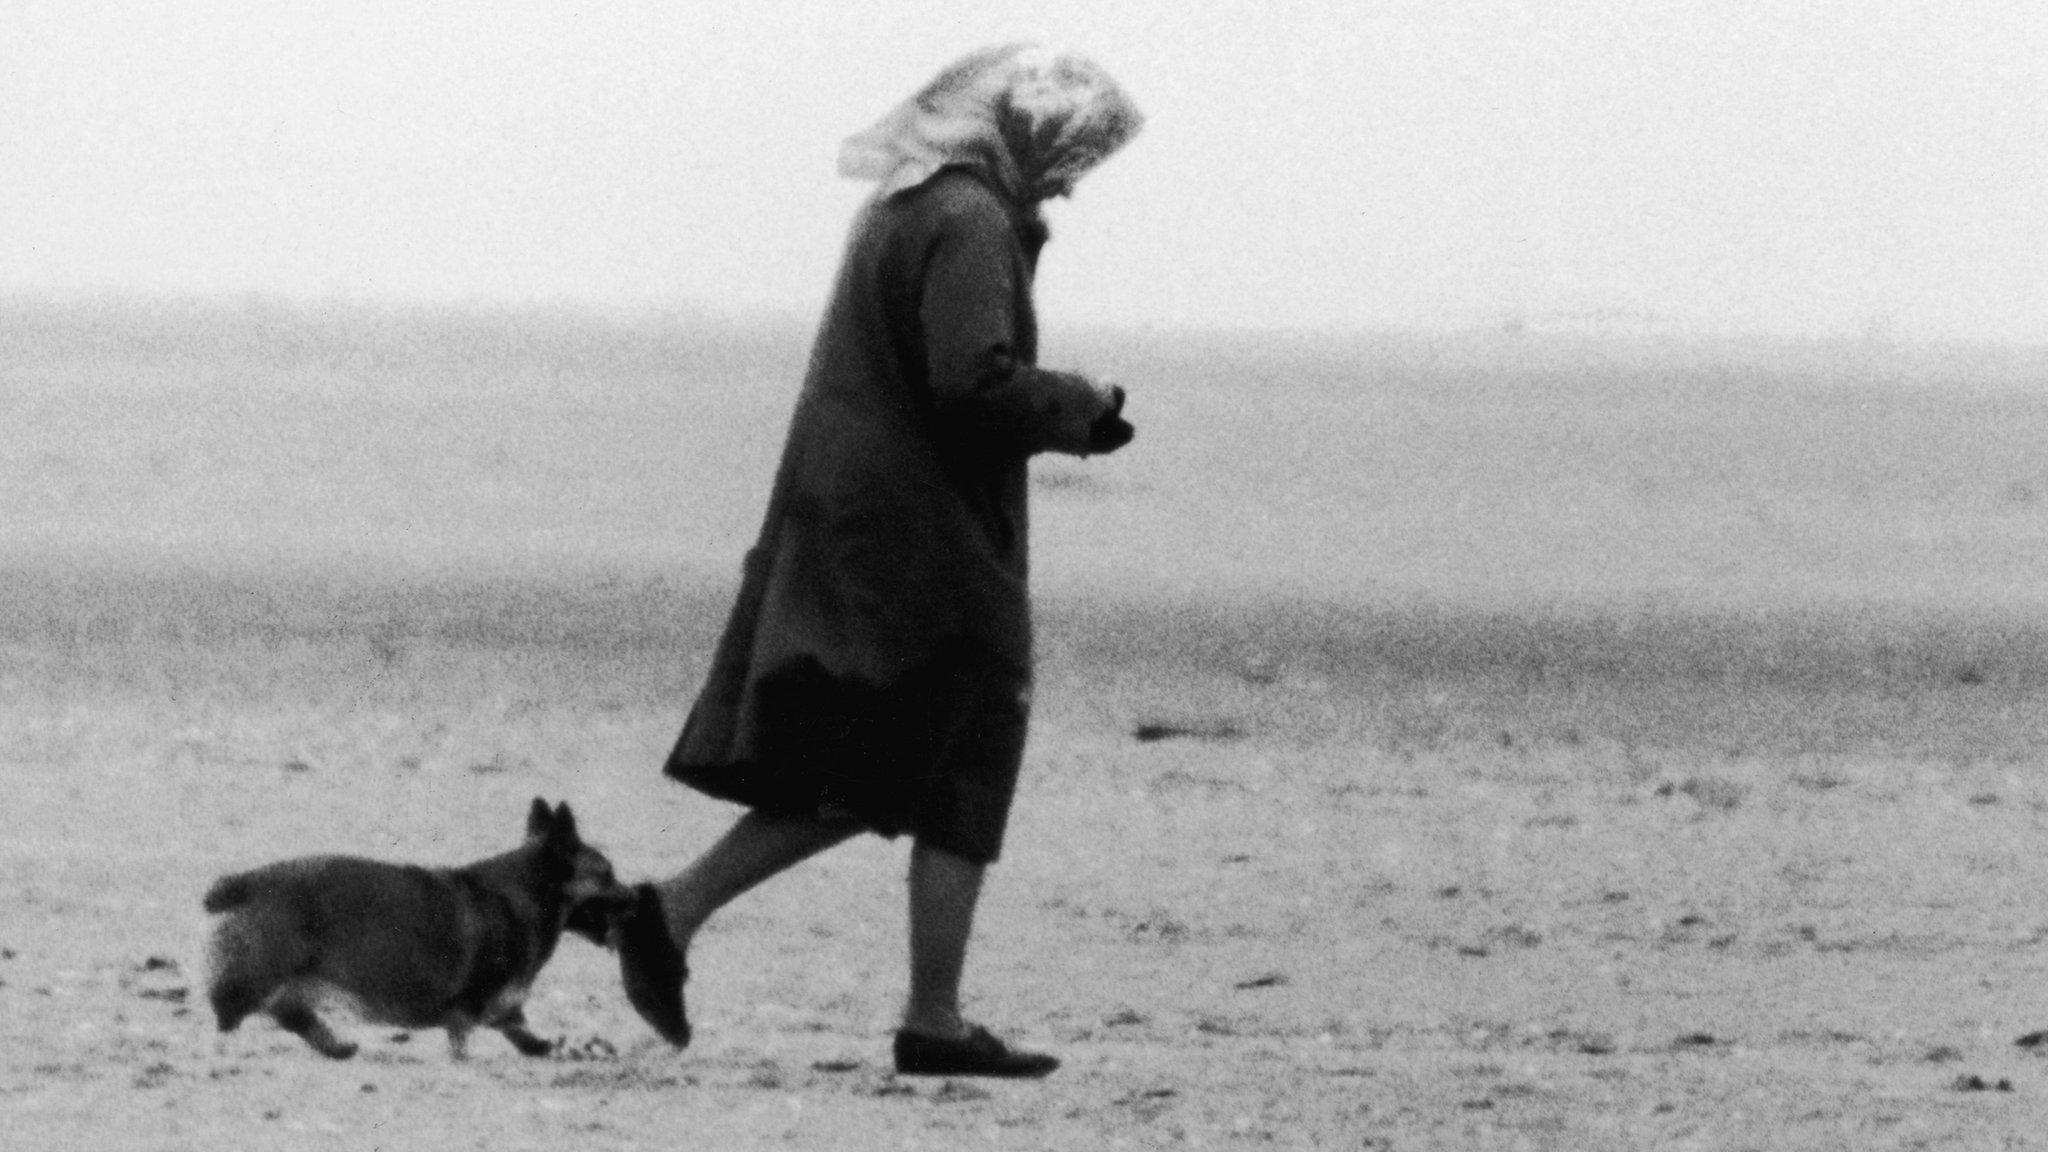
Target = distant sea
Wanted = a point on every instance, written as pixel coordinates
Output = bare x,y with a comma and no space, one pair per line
1478,467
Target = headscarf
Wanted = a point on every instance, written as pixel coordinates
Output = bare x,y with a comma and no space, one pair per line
1030,118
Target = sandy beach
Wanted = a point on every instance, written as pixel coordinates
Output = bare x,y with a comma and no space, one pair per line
1438,744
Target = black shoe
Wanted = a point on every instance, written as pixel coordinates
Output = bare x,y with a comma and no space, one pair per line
652,967
977,1054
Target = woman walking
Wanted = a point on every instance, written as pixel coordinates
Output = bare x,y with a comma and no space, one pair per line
875,673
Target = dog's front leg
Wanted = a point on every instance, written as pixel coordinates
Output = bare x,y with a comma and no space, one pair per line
293,1011
512,1025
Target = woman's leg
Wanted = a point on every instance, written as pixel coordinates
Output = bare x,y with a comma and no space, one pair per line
654,938
754,849
936,1040
944,889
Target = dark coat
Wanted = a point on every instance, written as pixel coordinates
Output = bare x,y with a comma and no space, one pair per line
880,646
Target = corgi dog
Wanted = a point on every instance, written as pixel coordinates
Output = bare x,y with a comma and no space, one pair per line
415,947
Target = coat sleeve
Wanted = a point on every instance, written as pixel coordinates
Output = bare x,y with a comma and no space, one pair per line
982,391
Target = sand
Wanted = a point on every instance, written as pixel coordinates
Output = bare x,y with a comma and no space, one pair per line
1302,858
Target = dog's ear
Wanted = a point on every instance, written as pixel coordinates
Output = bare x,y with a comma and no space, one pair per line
539,819
565,823
560,835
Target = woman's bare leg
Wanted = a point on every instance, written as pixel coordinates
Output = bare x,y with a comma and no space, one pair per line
754,849
944,889
653,939
936,1039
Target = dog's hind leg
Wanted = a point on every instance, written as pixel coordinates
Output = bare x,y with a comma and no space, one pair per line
249,966
458,1038
295,1015
512,1025
233,1000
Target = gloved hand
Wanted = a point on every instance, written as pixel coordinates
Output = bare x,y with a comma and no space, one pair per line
1110,431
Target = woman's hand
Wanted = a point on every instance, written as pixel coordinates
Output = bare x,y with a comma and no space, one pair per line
1110,431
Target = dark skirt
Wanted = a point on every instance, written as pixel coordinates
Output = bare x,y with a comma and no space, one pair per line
935,754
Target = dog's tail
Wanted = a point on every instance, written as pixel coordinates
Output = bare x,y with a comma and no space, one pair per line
228,892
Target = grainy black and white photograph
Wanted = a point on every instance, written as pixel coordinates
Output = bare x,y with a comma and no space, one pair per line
1351,574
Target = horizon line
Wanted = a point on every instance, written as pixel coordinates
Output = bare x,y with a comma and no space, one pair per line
1507,326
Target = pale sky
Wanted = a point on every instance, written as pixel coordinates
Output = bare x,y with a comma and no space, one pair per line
1811,167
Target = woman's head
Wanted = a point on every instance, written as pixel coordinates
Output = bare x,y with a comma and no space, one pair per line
1035,119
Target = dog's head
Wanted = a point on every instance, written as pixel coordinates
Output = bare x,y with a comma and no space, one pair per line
593,896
